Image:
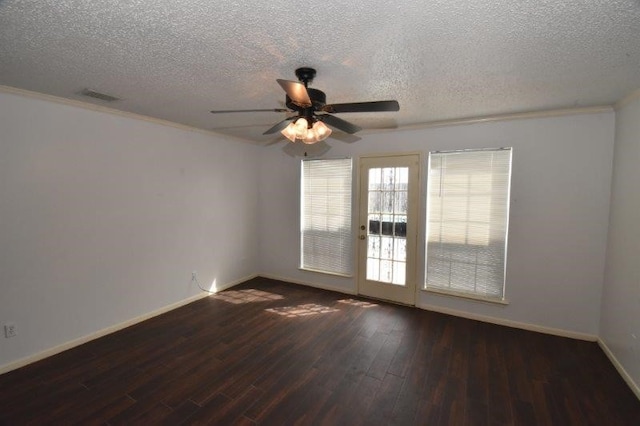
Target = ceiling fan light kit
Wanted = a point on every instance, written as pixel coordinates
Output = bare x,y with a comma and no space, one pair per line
310,125
308,132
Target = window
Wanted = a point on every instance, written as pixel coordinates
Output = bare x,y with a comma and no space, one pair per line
325,223
467,218
387,236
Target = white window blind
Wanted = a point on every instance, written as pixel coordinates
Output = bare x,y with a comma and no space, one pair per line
467,219
326,238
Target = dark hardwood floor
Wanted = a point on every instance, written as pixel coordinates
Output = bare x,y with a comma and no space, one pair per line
267,352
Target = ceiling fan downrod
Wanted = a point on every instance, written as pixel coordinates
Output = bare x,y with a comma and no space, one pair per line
306,75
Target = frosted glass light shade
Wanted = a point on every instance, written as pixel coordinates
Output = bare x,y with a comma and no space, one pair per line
289,132
300,130
322,130
300,127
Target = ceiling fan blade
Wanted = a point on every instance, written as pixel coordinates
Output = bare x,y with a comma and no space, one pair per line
297,92
304,150
339,123
375,106
345,137
280,126
249,110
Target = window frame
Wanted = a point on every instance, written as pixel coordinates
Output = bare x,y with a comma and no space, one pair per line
347,236
501,299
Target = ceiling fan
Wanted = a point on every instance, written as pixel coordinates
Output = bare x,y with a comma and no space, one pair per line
309,124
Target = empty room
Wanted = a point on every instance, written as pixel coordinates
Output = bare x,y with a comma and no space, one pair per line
338,212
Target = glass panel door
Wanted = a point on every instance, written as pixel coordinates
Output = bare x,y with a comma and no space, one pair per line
388,211
387,224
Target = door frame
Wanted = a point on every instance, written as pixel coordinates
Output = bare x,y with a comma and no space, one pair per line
411,274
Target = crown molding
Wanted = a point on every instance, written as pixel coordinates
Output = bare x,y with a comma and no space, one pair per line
419,126
498,118
631,97
112,111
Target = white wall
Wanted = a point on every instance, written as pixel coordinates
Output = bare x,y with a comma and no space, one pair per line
104,217
620,323
559,214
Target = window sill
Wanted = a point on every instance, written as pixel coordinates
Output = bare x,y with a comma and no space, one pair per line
456,294
318,271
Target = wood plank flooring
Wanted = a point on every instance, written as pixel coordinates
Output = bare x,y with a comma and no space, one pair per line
272,353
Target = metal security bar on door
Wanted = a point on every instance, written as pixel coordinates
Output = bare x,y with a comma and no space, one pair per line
387,225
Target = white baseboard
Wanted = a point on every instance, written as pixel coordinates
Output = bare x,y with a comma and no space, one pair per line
308,284
625,376
235,282
499,321
457,313
510,323
117,327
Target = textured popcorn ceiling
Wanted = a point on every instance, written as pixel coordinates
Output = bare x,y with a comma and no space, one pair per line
441,59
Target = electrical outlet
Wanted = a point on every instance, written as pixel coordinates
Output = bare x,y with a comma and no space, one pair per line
194,275
10,330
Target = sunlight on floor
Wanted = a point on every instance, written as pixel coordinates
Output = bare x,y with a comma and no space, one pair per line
238,297
360,303
301,310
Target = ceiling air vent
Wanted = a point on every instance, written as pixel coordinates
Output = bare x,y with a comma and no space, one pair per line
97,95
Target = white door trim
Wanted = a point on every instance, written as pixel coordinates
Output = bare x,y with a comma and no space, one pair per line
406,294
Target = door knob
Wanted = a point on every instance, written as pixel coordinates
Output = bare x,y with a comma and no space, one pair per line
363,237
